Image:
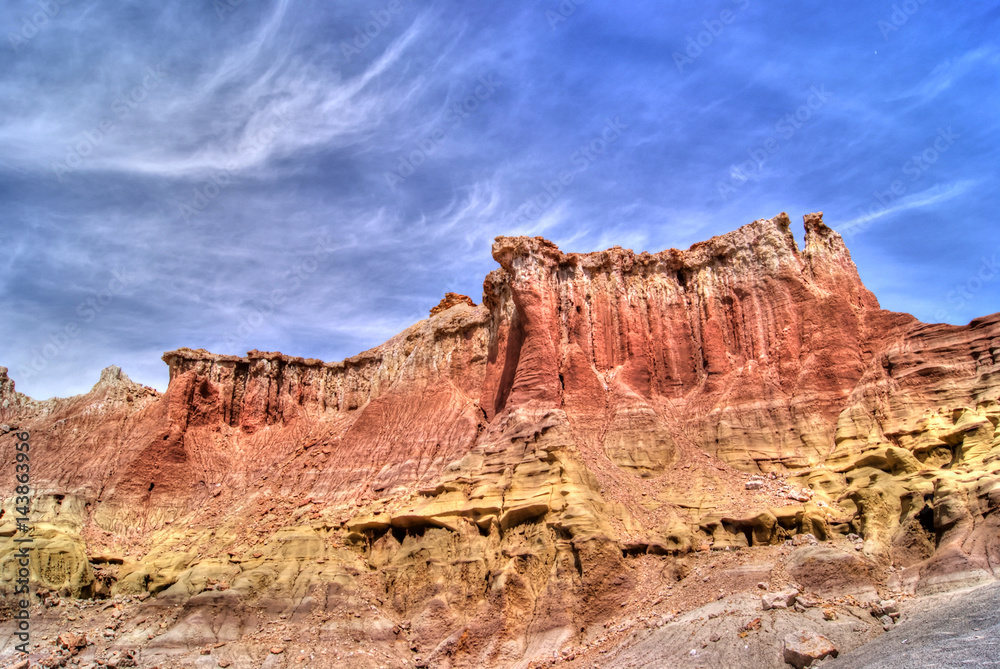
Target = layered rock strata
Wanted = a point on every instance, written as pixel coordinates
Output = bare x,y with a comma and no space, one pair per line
495,483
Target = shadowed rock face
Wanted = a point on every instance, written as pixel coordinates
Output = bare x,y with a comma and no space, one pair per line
497,481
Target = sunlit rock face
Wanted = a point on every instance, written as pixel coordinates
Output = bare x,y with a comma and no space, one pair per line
505,481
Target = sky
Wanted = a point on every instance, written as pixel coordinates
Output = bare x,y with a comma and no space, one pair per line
311,177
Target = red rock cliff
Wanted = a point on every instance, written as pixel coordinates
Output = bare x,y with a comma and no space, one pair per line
594,408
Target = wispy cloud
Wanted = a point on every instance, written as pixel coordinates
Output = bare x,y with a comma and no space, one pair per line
928,197
261,102
948,72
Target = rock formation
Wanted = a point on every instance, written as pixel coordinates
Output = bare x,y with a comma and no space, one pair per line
609,440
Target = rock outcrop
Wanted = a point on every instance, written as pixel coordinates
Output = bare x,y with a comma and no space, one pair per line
502,481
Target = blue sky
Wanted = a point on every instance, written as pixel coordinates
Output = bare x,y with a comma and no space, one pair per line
312,177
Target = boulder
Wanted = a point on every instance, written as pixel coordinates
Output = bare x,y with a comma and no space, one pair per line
803,648
779,600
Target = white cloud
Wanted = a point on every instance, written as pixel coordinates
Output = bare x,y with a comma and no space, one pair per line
925,198
946,73
260,102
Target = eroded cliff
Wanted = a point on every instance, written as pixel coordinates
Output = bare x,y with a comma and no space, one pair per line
608,439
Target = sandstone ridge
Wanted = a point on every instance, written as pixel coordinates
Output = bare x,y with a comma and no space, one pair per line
607,441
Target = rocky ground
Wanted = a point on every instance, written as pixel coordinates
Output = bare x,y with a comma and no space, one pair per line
957,629
707,609
703,610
